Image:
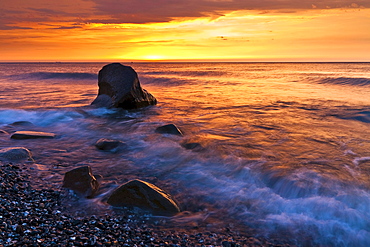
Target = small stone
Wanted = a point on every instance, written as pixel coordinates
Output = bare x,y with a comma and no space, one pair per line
229,244
20,135
22,123
3,132
81,181
169,129
15,154
19,229
109,144
193,146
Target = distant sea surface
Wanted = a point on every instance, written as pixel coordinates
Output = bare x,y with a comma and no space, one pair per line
286,146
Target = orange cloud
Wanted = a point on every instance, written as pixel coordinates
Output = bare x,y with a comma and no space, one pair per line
169,29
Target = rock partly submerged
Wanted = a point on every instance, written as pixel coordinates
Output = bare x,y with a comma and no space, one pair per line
109,144
144,195
82,181
3,132
195,146
20,135
15,154
169,129
22,123
119,87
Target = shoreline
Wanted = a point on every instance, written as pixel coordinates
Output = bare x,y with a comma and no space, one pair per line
35,217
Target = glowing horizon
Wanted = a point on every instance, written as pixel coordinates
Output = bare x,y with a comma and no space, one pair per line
62,32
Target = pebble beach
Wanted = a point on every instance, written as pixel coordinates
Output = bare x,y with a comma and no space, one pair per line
39,217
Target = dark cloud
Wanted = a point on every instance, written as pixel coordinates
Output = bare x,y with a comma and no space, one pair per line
47,11
18,13
144,11
4,26
13,12
68,27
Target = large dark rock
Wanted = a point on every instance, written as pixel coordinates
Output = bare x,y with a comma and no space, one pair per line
81,181
143,195
169,129
119,87
15,154
32,135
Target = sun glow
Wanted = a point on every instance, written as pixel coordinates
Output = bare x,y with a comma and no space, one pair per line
243,35
153,57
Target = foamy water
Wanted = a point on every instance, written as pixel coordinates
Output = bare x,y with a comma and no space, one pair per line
286,146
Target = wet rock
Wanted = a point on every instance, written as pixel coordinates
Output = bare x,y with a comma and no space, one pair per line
81,181
3,132
20,135
169,129
119,87
229,244
109,144
22,123
15,154
144,195
193,146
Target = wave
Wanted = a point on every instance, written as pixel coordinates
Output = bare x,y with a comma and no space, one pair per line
362,116
56,75
346,81
39,118
202,73
46,118
165,81
210,73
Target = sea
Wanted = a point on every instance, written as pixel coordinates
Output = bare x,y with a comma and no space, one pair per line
284,147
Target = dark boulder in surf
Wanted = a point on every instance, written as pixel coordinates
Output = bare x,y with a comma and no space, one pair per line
169,129
144,195
81,181
109,145
20,135
119,87
15,154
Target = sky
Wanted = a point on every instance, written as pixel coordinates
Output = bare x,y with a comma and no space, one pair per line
185,30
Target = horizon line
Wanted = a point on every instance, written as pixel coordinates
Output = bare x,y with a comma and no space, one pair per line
189,61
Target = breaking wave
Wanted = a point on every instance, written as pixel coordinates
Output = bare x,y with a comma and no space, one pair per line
346,81
201,73
55,75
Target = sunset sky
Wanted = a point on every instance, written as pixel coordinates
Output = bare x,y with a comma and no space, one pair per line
195,30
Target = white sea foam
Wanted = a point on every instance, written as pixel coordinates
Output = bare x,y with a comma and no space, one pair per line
38,118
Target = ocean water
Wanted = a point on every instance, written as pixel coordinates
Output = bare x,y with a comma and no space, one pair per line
286,146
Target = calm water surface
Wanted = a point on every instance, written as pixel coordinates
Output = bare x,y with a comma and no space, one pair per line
286,145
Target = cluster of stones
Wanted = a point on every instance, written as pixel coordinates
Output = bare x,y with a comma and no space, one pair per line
119,86
30,217
135,193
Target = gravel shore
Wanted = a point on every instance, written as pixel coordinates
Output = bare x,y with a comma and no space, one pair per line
35,217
